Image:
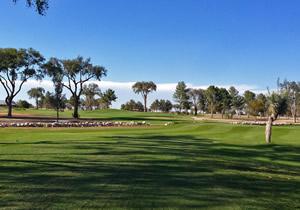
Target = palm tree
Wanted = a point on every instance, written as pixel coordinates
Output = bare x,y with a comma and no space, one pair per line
36,93
277,106
144,88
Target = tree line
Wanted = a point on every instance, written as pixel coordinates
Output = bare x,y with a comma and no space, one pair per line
19,65
227,102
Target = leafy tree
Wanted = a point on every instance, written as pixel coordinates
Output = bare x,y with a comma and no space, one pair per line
90,91
23,104
278,105
144,88
165,105
18,64
291,90
155,106
196,96
107,98
225,101
263,104
78,71
49,100
36,93
212,97
161,105
40,5
180,96
133,106
237,101
248,97
54,69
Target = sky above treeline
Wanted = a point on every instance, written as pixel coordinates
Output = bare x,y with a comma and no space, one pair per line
247,43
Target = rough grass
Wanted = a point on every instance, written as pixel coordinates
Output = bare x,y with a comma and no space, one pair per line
185,165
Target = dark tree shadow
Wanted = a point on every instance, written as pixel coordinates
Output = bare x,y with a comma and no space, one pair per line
150,171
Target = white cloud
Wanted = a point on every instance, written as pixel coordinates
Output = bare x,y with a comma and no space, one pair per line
124,92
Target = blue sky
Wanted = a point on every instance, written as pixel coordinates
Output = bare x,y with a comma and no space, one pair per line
223,42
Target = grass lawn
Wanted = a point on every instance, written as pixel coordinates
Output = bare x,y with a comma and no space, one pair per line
109,114
184,165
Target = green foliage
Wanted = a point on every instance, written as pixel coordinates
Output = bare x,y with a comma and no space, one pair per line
36,93
197,98
237,101
107,98
225,101
212,97
77,72
144,88
90,91
181,96
133,106
41,6
18,65
23,104
291,90
248,97
278,104
161,105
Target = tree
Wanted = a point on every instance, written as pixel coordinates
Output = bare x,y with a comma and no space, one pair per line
237,101
263,106
165,105
23,104
291,90
196,96
78,71
90,91
180,96
277,106
40,5
161,105
36,93
248,97
155,106
54,69
212,98
133,106
107,98
16,67
144,88
225,101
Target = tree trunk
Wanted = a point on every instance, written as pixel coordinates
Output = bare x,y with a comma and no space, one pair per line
196,111
57,114
145,103
9,107
37,103
269,130
76,104
9,113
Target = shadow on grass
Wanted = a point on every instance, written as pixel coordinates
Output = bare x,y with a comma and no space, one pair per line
150,171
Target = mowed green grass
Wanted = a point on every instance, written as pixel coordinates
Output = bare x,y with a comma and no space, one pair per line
184,165
109,114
